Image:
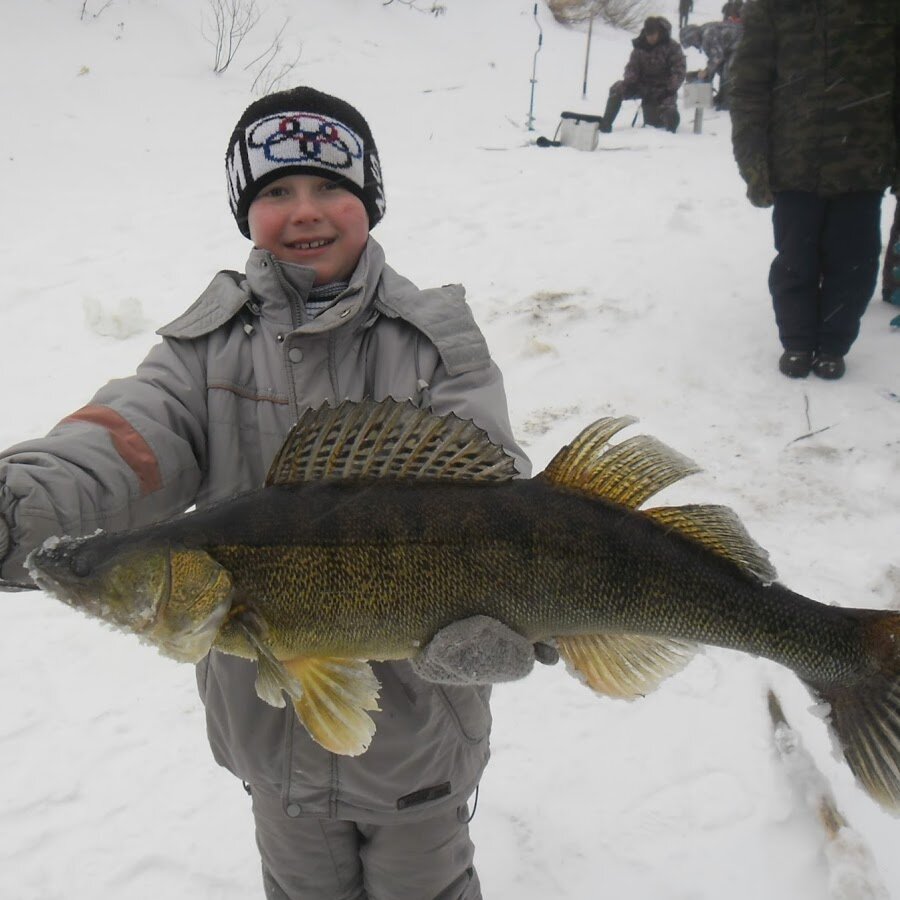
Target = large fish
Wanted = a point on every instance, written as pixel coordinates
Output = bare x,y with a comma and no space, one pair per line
380,523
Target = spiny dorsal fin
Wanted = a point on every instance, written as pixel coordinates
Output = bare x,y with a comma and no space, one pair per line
719,529
387,439
625,666
332,705
628,473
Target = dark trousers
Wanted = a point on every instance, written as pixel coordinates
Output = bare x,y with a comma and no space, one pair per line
825,273
660,113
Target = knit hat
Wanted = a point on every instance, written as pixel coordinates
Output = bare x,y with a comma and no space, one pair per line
296,132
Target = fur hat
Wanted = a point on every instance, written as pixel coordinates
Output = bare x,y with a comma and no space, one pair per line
302,131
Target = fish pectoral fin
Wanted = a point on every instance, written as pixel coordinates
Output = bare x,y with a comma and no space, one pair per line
335,694
720,530
273,680
625,666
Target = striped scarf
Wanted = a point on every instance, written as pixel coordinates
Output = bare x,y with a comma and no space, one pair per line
322,297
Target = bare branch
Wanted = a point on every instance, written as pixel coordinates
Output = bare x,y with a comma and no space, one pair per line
96,15
233,20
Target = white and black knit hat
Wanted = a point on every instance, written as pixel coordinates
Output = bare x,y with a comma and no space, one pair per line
302,131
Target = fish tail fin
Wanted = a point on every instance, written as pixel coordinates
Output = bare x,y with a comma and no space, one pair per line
865,715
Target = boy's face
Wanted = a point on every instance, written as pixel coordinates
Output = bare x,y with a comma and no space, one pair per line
311,221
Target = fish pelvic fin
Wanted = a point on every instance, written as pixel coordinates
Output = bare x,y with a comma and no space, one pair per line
720,530
628,473
387,439
335,694
865,715
624,666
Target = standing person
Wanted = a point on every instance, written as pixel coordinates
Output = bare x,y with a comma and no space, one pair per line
815,90
718,40
685,8
653,74
732,11
318,317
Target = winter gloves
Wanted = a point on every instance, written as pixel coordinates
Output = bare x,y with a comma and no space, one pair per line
479,650
756,174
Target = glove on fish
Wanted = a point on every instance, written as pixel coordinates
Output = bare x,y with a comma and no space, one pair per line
756,174
479,650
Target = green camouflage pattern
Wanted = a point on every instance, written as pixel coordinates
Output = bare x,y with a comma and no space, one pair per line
815,95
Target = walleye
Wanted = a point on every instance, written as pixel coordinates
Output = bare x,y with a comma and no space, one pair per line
380,523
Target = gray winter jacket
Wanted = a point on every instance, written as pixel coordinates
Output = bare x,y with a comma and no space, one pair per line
200,421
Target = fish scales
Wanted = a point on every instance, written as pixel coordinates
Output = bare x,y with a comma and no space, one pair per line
374,569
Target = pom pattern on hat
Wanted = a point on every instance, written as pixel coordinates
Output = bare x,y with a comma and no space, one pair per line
302,131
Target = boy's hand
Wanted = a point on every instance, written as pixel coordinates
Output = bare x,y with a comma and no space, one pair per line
479,650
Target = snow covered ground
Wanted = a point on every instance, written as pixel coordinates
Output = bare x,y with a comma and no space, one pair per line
631,280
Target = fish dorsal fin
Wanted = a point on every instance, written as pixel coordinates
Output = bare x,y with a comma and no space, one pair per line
720,530
335,694
625,666
628,473
387,439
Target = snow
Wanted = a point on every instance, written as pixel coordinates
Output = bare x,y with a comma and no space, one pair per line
629,280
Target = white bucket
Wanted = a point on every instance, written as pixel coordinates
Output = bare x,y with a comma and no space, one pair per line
579,132
697,94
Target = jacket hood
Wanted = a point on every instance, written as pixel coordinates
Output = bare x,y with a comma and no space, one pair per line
691,36
653,23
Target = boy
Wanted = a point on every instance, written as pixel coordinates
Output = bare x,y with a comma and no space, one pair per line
318,317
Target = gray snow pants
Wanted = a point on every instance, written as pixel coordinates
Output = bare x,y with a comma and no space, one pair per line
330,859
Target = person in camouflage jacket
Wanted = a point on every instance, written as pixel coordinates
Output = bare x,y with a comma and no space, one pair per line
815,94
718,40
653,74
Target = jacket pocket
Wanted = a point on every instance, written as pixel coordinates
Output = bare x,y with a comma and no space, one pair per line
469,710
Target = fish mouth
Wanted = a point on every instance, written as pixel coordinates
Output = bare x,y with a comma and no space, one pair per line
56,568
83,574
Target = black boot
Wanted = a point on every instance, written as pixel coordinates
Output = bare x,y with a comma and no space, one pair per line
613,105
829,366
796,363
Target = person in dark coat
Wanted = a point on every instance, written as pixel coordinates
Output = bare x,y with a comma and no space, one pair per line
653,74
685,8
815,94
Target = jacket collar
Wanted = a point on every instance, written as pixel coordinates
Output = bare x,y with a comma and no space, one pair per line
273,289
280,289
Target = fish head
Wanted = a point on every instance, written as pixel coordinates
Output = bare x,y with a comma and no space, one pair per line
172,597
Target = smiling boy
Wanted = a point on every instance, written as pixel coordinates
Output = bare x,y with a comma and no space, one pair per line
317,317
310,221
